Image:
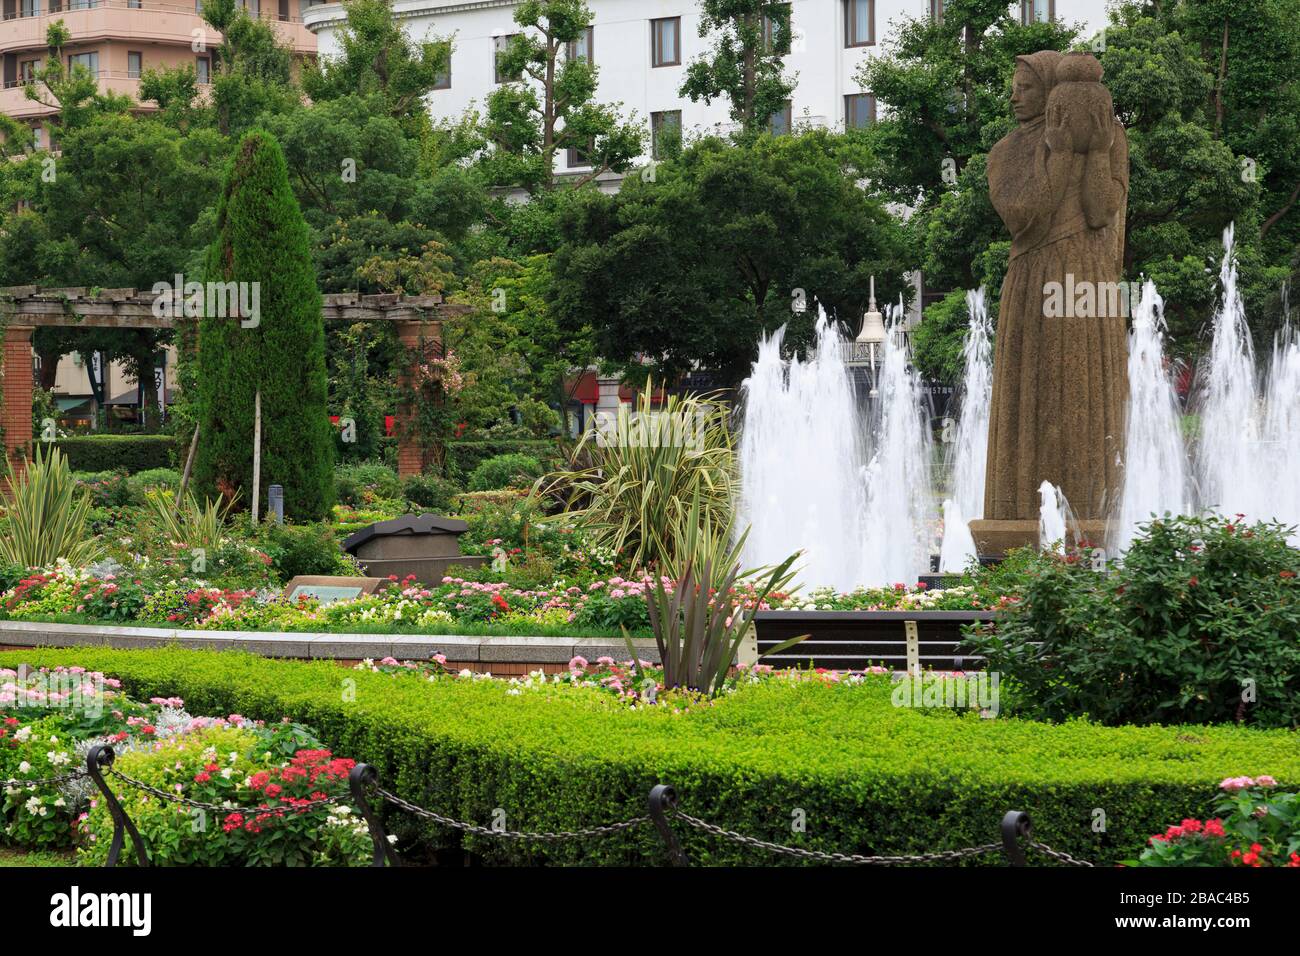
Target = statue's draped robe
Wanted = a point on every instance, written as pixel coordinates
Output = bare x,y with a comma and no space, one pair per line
1059,384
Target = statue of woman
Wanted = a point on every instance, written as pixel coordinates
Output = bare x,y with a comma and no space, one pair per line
1060,183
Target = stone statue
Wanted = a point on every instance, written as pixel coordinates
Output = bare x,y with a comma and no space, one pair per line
1060,183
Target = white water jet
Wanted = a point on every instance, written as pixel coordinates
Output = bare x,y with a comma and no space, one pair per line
1053,518
1232,479
900,507
1282,431
958,550
970,456
800,458
1156,479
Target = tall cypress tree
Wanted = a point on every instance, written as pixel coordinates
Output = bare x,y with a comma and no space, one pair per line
263,239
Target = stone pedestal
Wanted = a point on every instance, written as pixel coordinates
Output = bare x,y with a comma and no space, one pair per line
994,537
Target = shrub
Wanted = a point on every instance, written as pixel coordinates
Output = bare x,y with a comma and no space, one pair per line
262,241
464,456
47,515
128,453
431,492
1197,625
152,479
365,483
505,471
304,549
1253,826
876,778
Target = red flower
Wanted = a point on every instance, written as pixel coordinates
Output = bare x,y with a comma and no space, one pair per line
202,777
1286,574
1192,582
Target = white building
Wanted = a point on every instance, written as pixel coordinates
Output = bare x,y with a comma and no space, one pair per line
641,48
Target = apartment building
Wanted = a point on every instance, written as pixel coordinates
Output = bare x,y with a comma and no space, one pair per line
642,47
117,40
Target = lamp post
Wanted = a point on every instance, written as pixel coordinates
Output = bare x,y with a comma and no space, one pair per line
872,336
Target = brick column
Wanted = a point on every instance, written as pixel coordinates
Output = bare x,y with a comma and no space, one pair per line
412,456
17,415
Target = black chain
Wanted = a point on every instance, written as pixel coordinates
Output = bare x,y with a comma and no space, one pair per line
540,836
44,781
220,808
1058,854
854,858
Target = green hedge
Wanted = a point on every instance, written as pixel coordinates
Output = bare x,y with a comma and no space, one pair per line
464,456
130,453
869,777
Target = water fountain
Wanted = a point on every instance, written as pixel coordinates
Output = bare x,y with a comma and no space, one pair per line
1053,518
1156,480
972,441
801,459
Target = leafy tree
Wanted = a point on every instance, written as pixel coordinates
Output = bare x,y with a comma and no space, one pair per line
263,240
746,64
721,248
378,59
550,107
937,342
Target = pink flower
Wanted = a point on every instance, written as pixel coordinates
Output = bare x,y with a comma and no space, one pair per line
1265,781
578,664
1233,784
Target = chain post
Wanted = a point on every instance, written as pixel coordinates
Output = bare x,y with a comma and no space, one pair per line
1014,826
662,799
99,757
362,776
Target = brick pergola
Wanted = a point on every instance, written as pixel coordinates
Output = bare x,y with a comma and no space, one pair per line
26,308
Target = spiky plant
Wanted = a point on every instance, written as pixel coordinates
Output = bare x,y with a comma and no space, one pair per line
631,483
47,515
699,622
192,524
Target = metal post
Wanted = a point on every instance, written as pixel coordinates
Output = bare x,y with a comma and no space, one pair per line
913,648
1015,825
662,799
102,756
275,502
362,776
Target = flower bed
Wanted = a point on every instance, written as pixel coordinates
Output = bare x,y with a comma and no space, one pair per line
279,772
870,777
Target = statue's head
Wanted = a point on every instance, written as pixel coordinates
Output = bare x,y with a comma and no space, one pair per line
1035,74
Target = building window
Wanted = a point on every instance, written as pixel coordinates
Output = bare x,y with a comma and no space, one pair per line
134,4
937,7
133,64
87,61
500,46
770,28
782,120
859,22
666,42
203,69
443,80
665,130
27,70
30,8
580,157
583,47
859,110
38,137
1037,11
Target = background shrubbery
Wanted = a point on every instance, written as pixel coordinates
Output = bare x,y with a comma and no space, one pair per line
125,453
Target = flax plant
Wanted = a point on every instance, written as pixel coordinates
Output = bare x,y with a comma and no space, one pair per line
633,478
47,515
192,524
700,621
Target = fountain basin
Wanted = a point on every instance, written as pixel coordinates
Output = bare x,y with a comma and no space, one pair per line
854,640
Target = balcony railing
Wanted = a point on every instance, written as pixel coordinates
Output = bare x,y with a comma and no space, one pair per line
73,6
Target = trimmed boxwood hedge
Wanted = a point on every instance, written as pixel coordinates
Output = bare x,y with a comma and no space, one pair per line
869,777
129,453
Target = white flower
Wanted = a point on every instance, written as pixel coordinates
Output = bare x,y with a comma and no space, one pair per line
33,804
60,802
23,734
24,767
